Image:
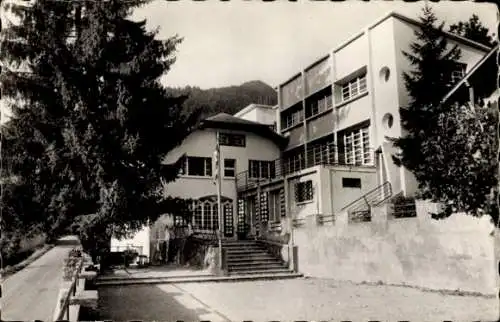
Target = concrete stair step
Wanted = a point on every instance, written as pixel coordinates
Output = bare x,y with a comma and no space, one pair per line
243,242
253,263
251,276
245,251
260,271
249,258
255,267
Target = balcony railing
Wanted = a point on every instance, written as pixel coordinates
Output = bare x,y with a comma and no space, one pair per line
327,154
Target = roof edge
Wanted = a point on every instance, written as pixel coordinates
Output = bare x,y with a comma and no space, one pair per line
389,14
250,107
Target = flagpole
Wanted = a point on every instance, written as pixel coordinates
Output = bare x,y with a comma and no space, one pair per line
219,204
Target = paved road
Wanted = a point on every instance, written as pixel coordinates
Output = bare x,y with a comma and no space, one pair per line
289,300
31,294
153,303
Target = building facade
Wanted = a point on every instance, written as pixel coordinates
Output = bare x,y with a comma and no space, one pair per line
329,150
243,144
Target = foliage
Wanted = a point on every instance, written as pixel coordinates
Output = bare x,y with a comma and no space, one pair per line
91,123
473,29
450,147
71,264
226,99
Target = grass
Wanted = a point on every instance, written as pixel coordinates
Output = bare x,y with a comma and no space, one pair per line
30,250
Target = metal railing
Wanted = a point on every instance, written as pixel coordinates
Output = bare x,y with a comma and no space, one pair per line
277,169
360,209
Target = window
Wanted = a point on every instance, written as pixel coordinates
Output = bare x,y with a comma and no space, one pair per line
274,206
198,215
357,147
261,169
229,168
458,73
292,118
294,161
351,182
198,166
231,139
205,213
322,152
303,191
354,88
318,105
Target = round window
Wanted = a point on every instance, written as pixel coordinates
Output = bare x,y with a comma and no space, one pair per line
385,73
388,120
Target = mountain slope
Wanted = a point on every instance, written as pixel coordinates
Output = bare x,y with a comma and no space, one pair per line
229,99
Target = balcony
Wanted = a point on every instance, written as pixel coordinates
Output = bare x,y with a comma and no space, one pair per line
325,154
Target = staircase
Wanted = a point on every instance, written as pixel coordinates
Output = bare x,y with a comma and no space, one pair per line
251,259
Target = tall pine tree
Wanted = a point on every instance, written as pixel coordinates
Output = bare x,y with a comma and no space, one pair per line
433,62
474,30
91,124
450,147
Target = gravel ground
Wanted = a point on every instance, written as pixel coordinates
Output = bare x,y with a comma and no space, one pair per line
321,299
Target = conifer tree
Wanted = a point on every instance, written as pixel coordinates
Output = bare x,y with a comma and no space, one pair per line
450,147
474,30
91,123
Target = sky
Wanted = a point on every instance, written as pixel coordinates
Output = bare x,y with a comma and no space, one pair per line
229,43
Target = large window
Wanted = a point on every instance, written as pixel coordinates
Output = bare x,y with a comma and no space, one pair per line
232,139
319,104
321,152
292,118
354,88
261,169
303,191
229,168
294,161
357,147
205,214
197,166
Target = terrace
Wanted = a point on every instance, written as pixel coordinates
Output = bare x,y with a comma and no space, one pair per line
325,154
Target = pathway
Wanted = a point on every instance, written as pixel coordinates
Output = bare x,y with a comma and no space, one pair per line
31,293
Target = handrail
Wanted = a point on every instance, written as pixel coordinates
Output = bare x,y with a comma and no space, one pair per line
366,197
278,168
64,308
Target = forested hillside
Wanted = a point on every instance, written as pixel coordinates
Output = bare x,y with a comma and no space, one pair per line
226,99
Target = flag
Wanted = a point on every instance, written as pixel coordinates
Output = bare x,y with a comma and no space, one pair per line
216,160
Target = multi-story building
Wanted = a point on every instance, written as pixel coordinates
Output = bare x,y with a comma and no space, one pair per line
337,114
328,151
243,143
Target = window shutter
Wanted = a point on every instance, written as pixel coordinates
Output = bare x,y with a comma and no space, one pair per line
282,203
228,219
264,206
241,215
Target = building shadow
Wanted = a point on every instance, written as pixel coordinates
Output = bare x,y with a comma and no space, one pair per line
146,303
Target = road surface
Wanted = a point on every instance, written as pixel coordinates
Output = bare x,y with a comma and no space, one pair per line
31,294
288,300
153,303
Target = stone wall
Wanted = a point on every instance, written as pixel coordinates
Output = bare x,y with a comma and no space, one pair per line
456,253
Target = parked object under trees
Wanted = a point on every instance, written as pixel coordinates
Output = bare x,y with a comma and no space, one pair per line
88,113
